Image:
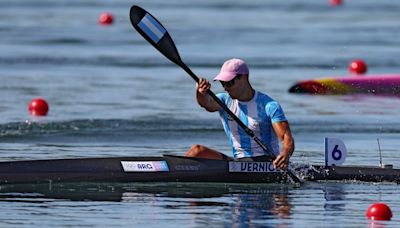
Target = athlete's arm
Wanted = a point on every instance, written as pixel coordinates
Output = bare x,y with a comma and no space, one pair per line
284,134
203,98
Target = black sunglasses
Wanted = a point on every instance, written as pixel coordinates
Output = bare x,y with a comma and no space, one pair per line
231,82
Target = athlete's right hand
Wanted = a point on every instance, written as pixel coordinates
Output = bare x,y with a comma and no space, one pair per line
203,86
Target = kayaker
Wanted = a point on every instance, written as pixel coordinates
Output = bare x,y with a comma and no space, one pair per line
263,115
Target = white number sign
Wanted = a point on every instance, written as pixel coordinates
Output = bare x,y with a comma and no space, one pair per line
335,151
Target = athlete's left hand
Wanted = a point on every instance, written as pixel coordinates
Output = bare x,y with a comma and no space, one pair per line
281,161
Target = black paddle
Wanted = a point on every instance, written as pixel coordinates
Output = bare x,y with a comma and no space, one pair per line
152,30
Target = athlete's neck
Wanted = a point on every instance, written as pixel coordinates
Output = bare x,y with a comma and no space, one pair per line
247,95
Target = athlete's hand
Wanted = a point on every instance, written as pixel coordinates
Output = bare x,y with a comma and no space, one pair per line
203,86
281,161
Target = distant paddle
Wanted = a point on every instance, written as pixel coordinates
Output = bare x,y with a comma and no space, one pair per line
152,30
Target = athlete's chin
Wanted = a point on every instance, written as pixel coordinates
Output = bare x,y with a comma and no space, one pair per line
232,96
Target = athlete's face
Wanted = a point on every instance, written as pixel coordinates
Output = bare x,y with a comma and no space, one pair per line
234,87
231,82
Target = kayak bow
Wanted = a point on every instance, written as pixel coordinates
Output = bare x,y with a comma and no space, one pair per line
388,84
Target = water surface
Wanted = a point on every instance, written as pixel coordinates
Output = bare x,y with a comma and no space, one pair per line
112,94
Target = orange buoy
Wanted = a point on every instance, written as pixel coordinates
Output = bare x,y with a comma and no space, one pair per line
379,211
38,107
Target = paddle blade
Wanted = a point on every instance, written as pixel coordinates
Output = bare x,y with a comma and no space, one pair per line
153,31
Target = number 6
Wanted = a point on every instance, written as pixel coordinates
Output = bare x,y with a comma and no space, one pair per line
336,153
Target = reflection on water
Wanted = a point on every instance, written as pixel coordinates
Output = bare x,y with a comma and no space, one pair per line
242,205
335,197
248,209
200,204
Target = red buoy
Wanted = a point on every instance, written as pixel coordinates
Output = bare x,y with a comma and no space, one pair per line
357,66
335,2
379,211
38,107
106,19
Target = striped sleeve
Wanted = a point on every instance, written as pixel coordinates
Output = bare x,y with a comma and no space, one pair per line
275,112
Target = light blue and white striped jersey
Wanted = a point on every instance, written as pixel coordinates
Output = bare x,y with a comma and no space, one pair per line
258,114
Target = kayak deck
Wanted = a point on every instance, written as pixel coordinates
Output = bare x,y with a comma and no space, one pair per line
141,169
353,173
169,168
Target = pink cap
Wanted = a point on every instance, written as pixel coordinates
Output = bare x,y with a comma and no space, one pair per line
230,69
